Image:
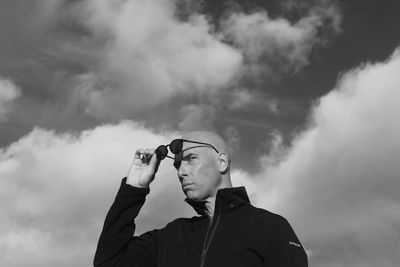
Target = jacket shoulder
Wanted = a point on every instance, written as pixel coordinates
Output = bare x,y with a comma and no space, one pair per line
268,214
179,222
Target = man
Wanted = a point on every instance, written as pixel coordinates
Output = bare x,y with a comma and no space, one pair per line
227,232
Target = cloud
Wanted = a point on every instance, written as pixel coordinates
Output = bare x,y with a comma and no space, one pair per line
338,182
197,117
240,98
112,58
25,24
8,93
275,45
101,61
55,190
149,55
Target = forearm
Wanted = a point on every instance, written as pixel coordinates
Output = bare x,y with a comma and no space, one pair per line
119,226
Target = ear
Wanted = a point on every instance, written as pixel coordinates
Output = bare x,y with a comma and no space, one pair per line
223,162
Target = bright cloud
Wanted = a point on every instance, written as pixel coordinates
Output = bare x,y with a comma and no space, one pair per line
55,190
273,45
339,182
151,55
8,93
147,55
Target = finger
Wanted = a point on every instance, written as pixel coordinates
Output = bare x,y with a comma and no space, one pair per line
149,151
154,161
140,155
139,152
148,154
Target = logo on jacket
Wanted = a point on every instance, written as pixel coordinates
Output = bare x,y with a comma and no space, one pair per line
294,244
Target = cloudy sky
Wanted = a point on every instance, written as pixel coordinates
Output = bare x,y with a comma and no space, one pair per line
306,92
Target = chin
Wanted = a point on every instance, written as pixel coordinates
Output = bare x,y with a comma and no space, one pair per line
193,195
190,195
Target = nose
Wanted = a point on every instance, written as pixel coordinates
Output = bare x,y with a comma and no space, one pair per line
182,170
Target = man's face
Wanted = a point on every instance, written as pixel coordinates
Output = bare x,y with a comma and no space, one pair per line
198,172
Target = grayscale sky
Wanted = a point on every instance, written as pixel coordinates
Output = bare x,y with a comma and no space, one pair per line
306,93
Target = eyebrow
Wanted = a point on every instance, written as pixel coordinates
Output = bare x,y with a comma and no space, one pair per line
190,154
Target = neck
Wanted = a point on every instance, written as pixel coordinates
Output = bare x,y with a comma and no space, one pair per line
210,206
210,202
207,206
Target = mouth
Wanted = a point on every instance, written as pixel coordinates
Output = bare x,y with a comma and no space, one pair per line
187,186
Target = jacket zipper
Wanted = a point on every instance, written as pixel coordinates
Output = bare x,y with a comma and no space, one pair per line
206,244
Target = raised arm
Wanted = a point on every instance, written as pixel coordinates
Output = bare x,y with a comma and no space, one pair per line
117,245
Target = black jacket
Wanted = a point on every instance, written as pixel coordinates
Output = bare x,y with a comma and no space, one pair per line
238,235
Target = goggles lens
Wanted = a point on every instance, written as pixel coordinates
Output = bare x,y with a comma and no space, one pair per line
161,152
176,147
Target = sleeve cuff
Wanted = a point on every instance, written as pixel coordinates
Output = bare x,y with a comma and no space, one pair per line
130,189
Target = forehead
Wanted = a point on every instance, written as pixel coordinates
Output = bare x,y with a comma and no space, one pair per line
202,151
190,148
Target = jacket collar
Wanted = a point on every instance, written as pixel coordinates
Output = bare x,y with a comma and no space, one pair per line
227,199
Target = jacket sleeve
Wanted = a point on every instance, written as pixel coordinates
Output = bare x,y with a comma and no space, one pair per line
117,246
285,249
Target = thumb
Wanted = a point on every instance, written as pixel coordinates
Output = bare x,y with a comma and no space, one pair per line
154,163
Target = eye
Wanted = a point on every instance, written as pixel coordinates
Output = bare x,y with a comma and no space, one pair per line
191,158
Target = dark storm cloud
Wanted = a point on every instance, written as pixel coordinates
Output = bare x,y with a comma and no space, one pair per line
79,63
